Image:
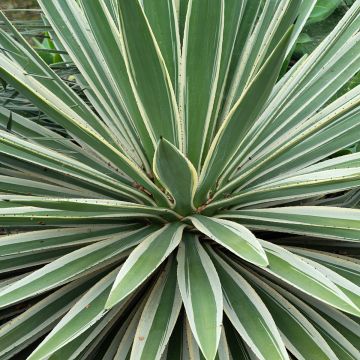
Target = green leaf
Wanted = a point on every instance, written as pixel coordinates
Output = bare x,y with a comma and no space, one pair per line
177,174
248,314
294,187
238,349
51,159
327,131
130,322
293,270
39,134
32,62
21,262
345,266
98,206
192,351
322,10
101,25
39,241
9,184
144,260
351,290
199,72
272,20
235,237
298,334
320,221
175,349
233,18
89,51
148,75
305,10
158,317
343,323
315,81
65,116
71,266
200,290
34,322
340,345
87,311
124,347
232,131
163,21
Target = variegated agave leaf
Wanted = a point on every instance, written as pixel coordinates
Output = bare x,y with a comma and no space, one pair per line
166,194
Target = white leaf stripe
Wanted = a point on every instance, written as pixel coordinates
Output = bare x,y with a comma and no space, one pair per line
227,141
305,10
294,187
53,106
200,290
86,205
349,288
248,314
293,270
199,72
232,236
50,80
158,317
275,18
297,105
298,334
148,76
42,240
144,260
41,316
336,318
233,16
345,266
330,222
124,347
163,21
86,312
336,340
191,349
107,39
71,266
74,31
320,135
28,261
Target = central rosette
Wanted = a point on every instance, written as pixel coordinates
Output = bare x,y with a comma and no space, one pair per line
178,176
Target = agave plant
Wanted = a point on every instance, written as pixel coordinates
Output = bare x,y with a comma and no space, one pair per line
184,204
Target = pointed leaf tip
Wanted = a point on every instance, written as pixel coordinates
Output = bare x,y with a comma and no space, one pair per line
233,236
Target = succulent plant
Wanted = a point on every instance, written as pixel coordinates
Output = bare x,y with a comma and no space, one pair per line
182,203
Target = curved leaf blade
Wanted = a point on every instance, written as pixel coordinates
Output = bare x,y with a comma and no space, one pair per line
248,313
235,237
144,260
199,72
71,266
320,221
158,317
177,174
200,290
296,272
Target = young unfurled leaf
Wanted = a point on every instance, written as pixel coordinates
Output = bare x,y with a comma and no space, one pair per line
177,175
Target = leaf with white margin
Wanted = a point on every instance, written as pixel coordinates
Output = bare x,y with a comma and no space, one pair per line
200,290
235,237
